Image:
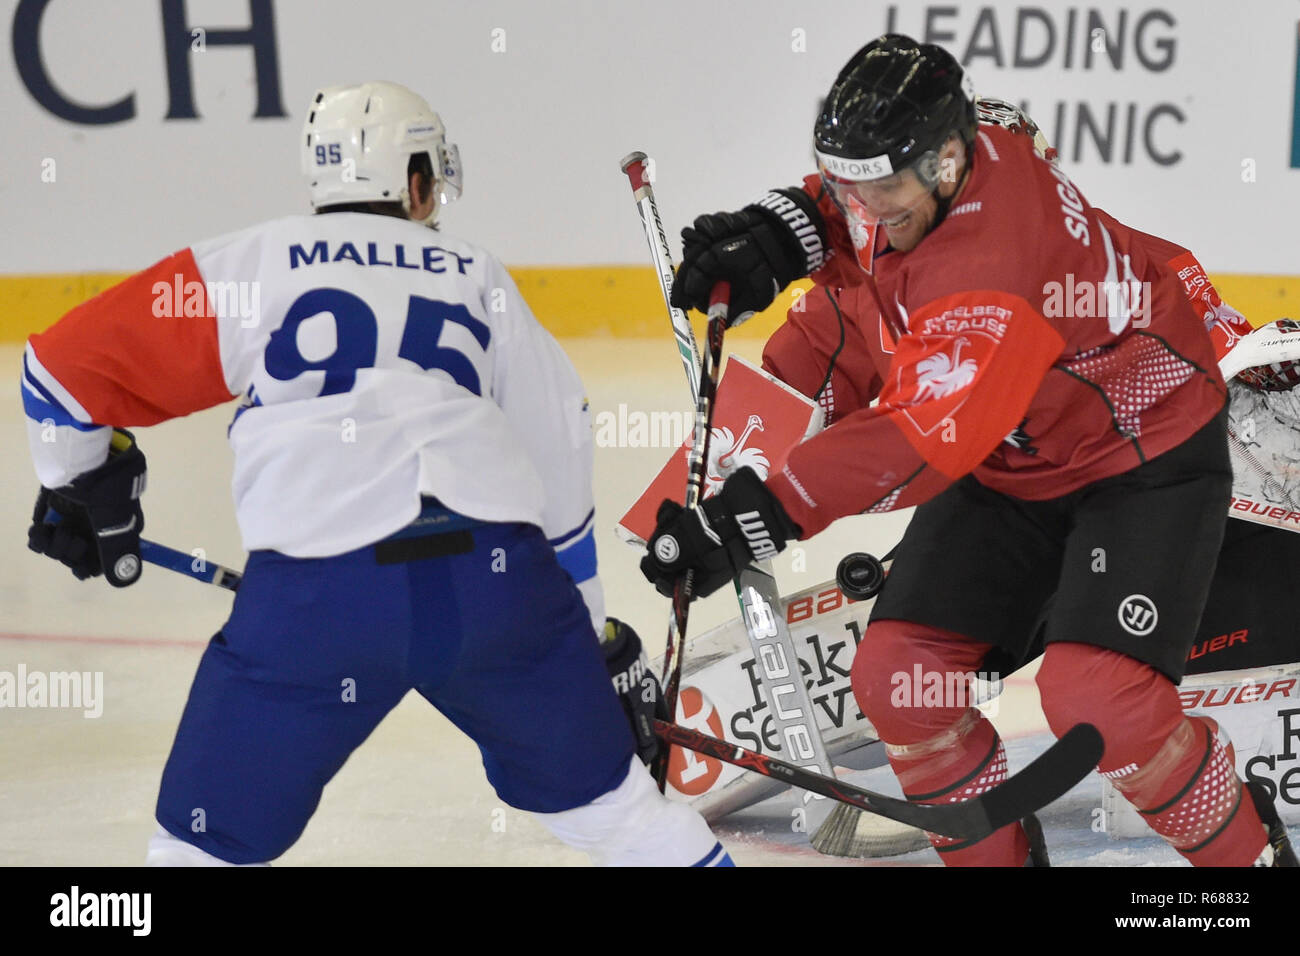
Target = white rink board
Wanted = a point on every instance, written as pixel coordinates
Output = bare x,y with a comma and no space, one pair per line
544,98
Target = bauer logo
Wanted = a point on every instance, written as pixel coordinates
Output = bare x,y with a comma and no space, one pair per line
1138,615
689,772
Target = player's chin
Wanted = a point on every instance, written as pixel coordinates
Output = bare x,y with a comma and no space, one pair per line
905,232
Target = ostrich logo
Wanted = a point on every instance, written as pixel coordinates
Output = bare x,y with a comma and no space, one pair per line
728,453
939,375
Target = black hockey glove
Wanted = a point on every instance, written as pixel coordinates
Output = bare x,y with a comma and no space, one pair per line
742,523
636,685
93,525
760,250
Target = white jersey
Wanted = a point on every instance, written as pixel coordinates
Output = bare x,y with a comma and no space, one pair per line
377,361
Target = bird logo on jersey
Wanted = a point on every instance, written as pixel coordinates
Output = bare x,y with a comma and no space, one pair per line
728,454
938,376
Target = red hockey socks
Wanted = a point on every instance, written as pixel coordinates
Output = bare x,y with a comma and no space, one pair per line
1173,769
941,748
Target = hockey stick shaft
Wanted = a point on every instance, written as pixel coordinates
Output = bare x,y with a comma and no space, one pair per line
637,167
190,565
756,590
698,463
1049,777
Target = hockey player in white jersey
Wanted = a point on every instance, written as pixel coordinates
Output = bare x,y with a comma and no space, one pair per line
412,481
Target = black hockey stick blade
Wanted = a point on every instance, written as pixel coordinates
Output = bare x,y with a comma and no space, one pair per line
1048,778
1052,775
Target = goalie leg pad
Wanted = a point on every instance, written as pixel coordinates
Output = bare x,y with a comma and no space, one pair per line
1175,770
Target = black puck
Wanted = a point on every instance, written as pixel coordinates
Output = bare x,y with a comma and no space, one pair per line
860,576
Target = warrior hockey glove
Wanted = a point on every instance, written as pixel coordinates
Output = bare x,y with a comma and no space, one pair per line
760,250
93,525
636,685
742,523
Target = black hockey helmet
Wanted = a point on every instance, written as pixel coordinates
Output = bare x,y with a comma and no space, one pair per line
894,104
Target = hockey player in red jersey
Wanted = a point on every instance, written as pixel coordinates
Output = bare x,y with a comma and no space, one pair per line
1048,396
824,356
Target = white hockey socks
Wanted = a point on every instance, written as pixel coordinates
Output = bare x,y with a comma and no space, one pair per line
635,825
167,850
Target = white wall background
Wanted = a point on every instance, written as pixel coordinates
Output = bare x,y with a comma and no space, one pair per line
720,92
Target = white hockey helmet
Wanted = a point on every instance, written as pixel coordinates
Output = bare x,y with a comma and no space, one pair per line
358,141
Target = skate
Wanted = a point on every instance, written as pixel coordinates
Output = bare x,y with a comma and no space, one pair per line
1279,851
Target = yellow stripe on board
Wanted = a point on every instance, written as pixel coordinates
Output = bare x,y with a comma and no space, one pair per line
578,301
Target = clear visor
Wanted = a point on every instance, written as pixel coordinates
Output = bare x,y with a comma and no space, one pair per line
450,177
884,201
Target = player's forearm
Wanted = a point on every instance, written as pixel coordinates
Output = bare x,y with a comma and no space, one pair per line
64,441
863,464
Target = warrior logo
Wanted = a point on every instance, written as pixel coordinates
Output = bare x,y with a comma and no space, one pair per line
728,454
939,375
756,533
1138,615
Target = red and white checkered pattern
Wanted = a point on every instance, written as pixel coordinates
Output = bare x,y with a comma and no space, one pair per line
1134,376
994,773
1205,808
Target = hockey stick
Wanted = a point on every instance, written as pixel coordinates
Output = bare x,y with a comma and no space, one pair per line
760,601
1048,778
698,464
637,168
200,569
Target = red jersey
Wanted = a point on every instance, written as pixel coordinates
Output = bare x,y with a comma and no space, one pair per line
1030,340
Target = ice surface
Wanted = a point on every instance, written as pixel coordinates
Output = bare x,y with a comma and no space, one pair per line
78,791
